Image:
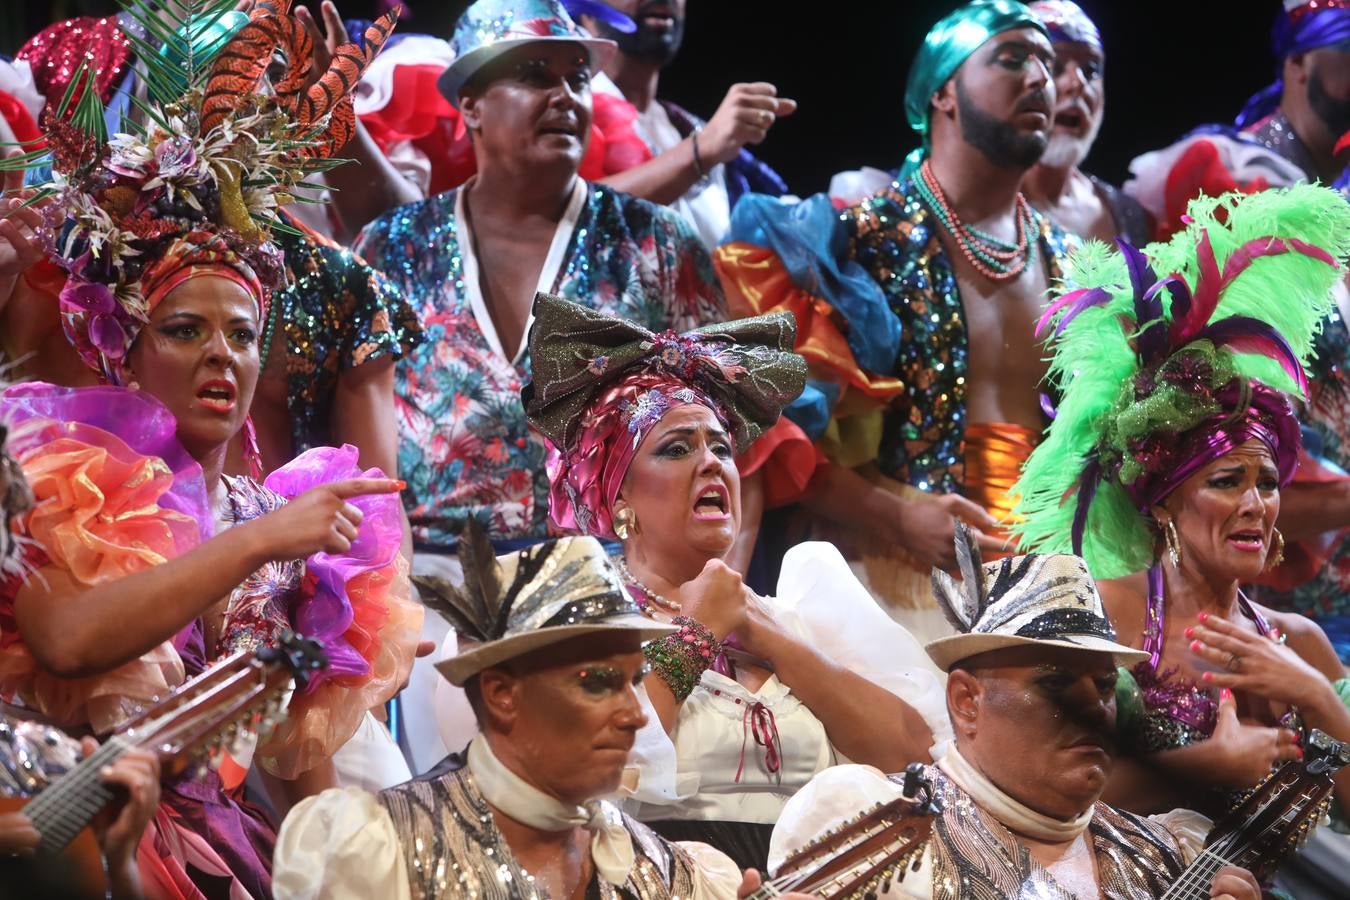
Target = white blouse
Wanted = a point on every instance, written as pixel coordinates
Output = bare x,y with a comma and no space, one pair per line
737,755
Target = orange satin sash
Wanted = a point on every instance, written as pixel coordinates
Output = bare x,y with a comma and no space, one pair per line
995,452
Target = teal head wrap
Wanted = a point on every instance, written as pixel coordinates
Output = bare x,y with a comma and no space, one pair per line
950,43
205,35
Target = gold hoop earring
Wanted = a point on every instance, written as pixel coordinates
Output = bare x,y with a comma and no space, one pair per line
625,523
1173,542
1276,557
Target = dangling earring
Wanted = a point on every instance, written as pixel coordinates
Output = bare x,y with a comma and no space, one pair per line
1274,559
625,523
1173,543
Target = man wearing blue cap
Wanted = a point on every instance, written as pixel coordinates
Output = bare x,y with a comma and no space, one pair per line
1286,133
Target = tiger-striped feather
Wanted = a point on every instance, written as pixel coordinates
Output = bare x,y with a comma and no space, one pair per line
240,66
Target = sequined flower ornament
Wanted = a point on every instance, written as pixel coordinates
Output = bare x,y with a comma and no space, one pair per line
671,355
129,156
99,303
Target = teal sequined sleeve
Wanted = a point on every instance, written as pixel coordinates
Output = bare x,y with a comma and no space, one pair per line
338,313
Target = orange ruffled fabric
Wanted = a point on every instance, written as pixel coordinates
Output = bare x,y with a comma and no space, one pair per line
97,519
756,282
787,459
386,625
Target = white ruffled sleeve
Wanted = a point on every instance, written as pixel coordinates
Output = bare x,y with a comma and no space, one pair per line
829,800
716,875
824,605
339,845
653,774
1190,829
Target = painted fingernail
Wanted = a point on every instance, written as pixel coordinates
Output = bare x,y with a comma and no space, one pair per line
1196,645
1299,752
1208,676
1298,738
400,484
1203,616
1190,632
1225,693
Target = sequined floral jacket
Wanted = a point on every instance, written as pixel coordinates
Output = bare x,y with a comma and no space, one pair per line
894,237
465,448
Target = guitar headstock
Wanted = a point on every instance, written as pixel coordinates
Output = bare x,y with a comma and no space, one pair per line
1324,754
1283,810
239,694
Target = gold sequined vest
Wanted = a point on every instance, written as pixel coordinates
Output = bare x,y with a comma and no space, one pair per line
452,848
976,858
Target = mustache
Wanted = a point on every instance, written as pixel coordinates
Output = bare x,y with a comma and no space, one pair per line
1085,725
1037,99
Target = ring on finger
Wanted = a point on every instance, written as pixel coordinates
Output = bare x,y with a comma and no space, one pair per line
1234,662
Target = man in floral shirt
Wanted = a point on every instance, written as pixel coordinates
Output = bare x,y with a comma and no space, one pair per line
470,262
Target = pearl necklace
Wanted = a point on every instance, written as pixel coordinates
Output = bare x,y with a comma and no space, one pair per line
660,602
992,257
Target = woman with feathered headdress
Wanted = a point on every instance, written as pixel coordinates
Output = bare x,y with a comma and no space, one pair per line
152,562
1170,445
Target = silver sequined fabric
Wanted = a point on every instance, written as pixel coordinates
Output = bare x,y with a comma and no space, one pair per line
453,849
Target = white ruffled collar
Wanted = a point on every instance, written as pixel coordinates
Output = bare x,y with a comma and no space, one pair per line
1012,814
611,845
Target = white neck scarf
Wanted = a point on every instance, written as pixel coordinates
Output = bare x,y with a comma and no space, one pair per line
611,845
1014,815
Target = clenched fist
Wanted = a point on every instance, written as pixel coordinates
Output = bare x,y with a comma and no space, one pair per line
747,113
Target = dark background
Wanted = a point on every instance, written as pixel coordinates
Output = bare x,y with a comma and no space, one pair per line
846,62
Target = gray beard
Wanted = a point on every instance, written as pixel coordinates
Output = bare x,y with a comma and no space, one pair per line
1065,152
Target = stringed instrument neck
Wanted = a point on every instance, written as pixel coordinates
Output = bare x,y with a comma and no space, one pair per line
1272,822
859,856
67,807
241,694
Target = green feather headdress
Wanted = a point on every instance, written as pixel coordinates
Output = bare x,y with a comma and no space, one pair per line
1142,362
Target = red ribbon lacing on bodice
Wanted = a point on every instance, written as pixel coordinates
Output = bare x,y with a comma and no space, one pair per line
758,720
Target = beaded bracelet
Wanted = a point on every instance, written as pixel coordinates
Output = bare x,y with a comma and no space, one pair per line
681,658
